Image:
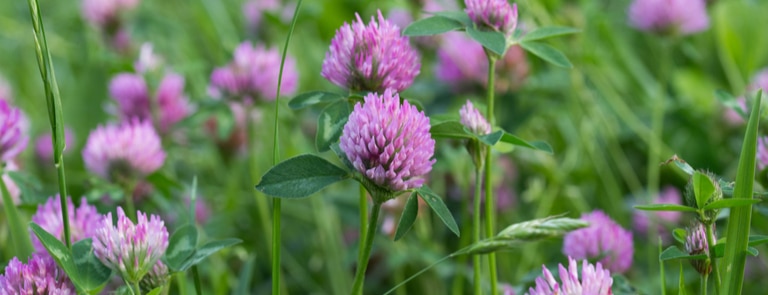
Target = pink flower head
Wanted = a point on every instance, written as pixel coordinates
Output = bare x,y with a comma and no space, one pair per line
134,100
254,10
603,238
760,81
40,275
105,13
681,16
594,280
696,244
373,57
83,220
253,74
762,152
669,195
148,61
13,135
44,145
157,277
388,142
473,120
497,15
130,249
133,148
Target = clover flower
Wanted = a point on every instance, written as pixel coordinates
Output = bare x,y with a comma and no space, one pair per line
595,280
696,244
389,142
131,250
666,16
603,238
83,220
13,135
497,15
253,74
40,275
371,57
124,150
473,120
105,13
134,100
13,190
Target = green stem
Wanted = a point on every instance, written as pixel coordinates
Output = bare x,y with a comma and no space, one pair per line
196,278
53,102
363,220
712,242
138,289
130,206
490,220
661,272
703,287
362,264
19,237
277,202
477,227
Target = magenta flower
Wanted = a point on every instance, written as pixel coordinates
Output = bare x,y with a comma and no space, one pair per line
105,13
497,15
462,63
134,100
13,135
253,74
40,275
473,120
83,220
669,16
594,280
603,238
133,148
669,195
131,249
388,142
695,244
44,145
373,57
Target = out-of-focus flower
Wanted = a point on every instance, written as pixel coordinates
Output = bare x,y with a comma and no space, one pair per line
40,275
594,280
373,57
126,150
254,10
400,17
148,61
695,244
497,15
759,81
131,249
507,289
13,189
669,16
252,75
762,152
83,220
603,238
44,145
156,277
669,195
473,120
389,142
135,102
13,138
105,13
462,63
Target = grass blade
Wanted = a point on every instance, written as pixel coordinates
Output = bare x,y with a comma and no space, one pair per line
740,219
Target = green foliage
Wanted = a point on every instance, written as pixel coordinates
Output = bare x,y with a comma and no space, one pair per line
312,98
548,32
432,26
181,246
703,188
491,40
330,124
93,275
436,203
300,177
547,53
673,253
410,211
665,207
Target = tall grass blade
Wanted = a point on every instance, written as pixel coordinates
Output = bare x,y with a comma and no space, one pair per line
740,218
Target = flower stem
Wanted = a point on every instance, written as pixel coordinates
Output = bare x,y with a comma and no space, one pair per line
136,288
362,263
196,278
477,229
130,206
712,242
703,288
277,202
363,220
490,220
